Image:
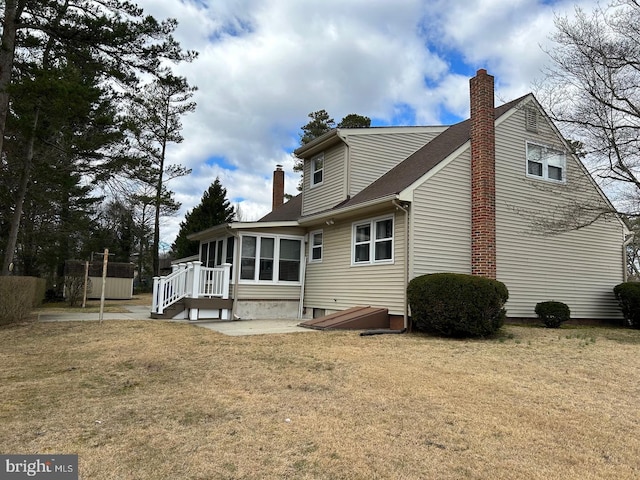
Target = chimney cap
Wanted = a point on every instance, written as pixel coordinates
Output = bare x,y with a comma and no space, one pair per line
278,167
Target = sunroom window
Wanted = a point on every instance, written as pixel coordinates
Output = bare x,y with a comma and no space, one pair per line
270,259
545,163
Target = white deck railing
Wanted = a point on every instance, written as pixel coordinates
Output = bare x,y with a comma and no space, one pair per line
190,280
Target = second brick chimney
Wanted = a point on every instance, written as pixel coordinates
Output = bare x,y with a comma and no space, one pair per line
483,176
278,187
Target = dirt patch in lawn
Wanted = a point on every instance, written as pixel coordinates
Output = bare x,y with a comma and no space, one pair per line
141,400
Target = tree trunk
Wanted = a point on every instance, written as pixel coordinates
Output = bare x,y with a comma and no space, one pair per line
25,177
12,11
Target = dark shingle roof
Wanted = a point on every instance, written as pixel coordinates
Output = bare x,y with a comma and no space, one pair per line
421,161
289,211
402,175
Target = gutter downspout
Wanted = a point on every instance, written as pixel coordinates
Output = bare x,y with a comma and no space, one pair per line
406,262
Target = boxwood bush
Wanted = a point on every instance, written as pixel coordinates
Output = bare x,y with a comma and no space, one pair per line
18,295
457,305
628,296
553,313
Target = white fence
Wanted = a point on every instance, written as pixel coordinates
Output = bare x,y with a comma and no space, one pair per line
190,280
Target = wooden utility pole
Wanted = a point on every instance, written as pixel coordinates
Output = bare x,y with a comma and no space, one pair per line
105,261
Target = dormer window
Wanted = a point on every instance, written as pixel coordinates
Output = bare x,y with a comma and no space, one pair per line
317,169
546,163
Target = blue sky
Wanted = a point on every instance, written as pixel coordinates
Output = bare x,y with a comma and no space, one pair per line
265,64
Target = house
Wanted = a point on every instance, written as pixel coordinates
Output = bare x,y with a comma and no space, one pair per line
382,205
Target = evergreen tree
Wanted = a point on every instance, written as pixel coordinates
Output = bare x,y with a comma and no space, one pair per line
214,209
322,123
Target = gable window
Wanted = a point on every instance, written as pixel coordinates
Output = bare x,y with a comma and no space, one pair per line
317,169
373,241
545,163
270,259
315,247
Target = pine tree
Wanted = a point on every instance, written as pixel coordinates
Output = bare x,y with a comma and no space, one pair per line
214,209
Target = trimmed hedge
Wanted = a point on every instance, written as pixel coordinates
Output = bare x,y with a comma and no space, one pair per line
18,295
457,305
553,313
628,296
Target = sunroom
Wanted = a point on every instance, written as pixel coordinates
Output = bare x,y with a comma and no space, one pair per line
244,270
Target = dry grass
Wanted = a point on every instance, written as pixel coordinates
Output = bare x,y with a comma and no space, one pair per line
155,400
93,305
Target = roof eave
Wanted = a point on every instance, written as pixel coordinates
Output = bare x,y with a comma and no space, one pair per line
338,213
319,144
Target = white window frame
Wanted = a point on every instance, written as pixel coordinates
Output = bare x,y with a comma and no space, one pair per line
276,260
314,170
544,162
316,247
216,247
372,241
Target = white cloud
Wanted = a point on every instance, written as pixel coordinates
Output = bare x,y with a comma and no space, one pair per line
265,64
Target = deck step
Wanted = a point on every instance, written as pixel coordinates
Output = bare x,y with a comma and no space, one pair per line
356,318
171,311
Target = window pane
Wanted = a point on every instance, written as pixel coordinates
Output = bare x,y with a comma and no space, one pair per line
289,264
249,247
316,253
317,177
317,239
362,253
219,253
266,259
534,152
384,229
535,168
363,233
203,253
383,250
248,269
248,261
212,254
290,249
555,173
230,243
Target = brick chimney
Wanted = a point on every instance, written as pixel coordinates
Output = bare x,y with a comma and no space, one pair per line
483,176
278,187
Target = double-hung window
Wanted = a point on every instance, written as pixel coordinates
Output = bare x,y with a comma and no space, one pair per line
317,169
270,259
373,241
546,163
315,246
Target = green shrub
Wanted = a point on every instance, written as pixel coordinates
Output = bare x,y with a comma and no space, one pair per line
552,313
628,296
18,295
457,305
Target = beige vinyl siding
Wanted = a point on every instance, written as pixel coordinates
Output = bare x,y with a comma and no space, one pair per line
371,156
333,189
578,267
441,220
334,284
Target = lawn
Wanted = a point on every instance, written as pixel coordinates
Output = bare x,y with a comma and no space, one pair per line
158,400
